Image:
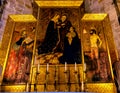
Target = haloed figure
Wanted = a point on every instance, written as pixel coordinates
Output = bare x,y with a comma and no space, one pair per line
72,46
95,43
65,25
51,38
18,62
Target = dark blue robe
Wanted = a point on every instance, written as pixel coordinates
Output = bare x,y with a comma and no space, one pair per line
63,31
72,53
51,39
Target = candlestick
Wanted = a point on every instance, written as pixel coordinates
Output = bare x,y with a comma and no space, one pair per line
75,66
47,67
82,86
65,66
27,87
38,67
84,66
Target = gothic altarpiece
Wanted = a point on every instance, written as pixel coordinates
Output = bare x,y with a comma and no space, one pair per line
24,69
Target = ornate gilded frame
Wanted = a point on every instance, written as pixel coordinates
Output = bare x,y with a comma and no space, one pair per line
14,25
101,23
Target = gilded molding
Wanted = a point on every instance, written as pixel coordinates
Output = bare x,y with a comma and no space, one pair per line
22,18
59,3
94,17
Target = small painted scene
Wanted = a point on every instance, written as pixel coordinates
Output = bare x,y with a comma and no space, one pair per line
20,54
59,36
97,49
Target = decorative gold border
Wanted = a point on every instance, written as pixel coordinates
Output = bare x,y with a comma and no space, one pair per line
23,18
98,17
94,17
101,87
6,58
13,19
59,3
